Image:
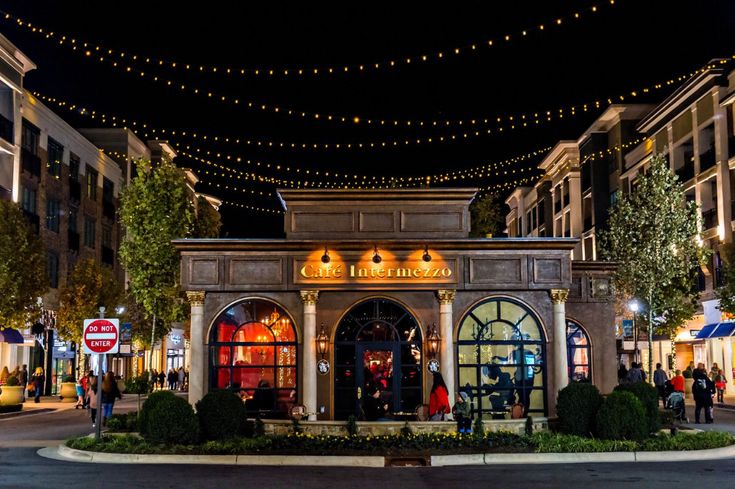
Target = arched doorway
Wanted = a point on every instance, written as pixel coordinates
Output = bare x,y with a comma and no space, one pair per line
377,344
579,360
501,358
253,351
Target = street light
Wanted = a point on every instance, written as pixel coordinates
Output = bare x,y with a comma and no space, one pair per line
634,308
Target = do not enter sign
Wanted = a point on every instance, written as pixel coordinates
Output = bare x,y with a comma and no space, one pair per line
101,336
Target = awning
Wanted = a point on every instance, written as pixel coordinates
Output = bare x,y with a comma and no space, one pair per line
717,330
10,335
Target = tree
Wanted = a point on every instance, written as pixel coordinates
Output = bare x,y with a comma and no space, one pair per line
488,216
89,286
155,209
726,293
22,267
208,221
653,236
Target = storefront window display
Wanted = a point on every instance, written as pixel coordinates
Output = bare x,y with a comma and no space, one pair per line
578,353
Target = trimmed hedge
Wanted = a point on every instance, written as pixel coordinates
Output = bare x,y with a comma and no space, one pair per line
648,395
577,407
172,420
222,415
148,406
621,417
127,422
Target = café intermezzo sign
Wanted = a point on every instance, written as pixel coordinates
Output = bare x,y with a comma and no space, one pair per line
408,271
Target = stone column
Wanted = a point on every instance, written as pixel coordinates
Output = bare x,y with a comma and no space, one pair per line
561,368
446,330
198,353
309,298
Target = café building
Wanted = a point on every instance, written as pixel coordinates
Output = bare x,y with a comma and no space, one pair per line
378,289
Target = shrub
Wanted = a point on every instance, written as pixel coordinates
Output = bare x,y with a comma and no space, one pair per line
12,381
221,415
295,426
352,426
69,379
406,430
148,406
172,420
127,422
648,395
259,428
577,407
621,417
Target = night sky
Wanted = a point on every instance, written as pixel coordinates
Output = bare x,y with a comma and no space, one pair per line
618,49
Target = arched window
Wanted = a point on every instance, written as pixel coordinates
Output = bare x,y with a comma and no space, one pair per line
253,351
501,357
377,346
579,360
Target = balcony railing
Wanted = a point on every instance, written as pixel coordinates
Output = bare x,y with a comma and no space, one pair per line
75,190
709,219
73,240
108,256
685,173
30,162
6,129
33,220
707,160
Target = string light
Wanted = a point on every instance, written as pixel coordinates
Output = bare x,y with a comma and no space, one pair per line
302,71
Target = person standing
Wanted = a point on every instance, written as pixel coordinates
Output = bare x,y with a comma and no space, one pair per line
720,382
622,374
92,399
703,389
37,380
438,399
23,380
180,375
659,380
463,413
161,379
635,374
110,392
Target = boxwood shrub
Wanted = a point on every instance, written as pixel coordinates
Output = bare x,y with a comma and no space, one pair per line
621,417
148,406
172,420
221,415
577,407
648,395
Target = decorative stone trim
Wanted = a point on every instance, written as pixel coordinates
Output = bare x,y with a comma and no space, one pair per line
196,297
559,296
446,296
309,297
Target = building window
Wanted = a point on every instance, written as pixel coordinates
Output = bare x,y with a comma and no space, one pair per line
565,199
55,158
378,345
501,357
92,183
579,359
52,269
28,200
73,213
107,236
29,137
89,232
253,350
74,165
52,215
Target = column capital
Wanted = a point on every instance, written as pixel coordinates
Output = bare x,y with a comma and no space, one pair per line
196,297
309,297
446,296
559,296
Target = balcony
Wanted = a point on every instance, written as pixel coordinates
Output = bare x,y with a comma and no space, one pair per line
685,173
108,210
33,220
707,160
75,190
709,219
30,162
73,240
6,129
108,256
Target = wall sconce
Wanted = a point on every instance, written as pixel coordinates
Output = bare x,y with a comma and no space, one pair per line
376,256
433,340
426,256
325,256
322,342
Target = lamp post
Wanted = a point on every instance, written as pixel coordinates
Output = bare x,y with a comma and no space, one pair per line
634,308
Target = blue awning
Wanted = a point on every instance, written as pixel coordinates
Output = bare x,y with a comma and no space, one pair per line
706,331
717,330
10,335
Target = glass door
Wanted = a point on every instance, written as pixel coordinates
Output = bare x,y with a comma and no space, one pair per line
377,373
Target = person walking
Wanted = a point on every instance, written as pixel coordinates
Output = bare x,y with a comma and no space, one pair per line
703,389
659,380
161,379
622,374
37,380
110,392
92,399
180,376
81,394
23,380
463,413
438,399
635,374
714,371
720,382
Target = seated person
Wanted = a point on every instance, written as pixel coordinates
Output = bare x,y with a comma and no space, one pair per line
264,398
375,408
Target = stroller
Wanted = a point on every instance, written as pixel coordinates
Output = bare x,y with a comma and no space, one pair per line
675,403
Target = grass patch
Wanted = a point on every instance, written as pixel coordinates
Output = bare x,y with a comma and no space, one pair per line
557,443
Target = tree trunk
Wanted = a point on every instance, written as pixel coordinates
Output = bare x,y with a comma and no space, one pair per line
153,335
650,337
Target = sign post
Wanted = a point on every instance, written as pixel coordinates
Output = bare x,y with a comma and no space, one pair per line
101,336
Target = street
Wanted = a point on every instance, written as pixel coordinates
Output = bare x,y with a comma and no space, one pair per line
23,468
